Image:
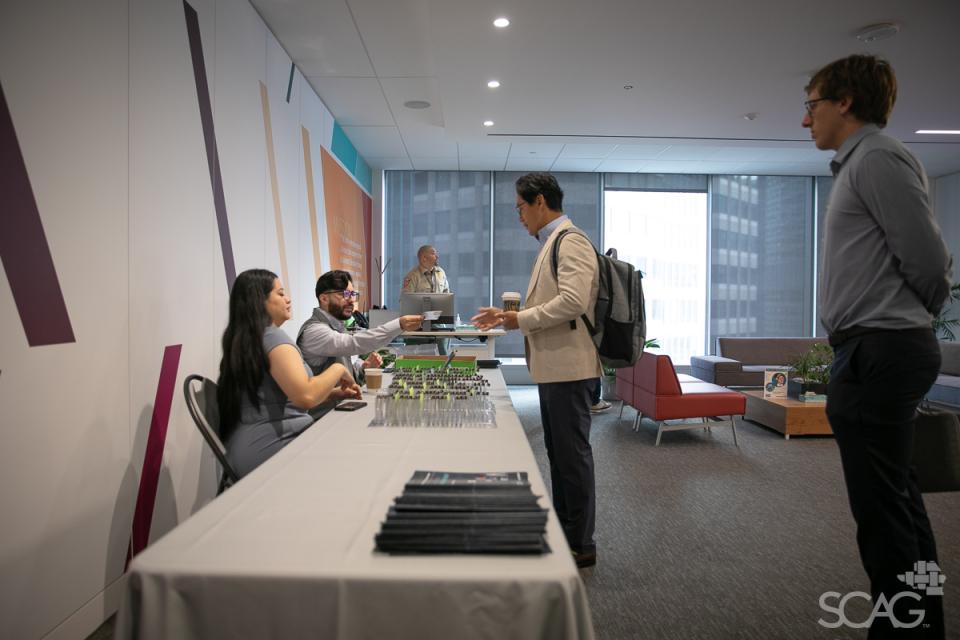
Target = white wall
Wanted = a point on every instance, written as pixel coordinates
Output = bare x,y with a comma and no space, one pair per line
105,109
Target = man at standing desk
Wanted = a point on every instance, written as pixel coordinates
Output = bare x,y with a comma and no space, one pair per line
561,356
885,275
427,276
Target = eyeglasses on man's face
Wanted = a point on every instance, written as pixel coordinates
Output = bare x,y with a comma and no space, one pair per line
347,294
810,104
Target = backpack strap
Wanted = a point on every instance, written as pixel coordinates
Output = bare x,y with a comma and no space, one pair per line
554,261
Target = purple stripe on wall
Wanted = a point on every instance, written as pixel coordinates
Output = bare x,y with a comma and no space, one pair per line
210,138
153,458
24,249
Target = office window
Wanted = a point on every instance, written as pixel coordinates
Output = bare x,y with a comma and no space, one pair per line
824,184
514,250
449,210
656,182
761,256
664,234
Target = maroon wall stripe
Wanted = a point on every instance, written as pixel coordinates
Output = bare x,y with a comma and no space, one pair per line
153,458
24,249
210,138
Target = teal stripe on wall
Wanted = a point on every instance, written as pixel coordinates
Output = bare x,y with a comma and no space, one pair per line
343,148
346,153
364,174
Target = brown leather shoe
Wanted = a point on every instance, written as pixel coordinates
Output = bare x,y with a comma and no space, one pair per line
585,560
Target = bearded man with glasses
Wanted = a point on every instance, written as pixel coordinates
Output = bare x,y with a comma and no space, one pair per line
324,339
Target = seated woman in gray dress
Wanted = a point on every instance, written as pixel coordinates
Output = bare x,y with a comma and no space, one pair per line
265,387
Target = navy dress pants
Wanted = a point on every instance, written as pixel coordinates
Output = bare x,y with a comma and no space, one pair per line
877,381
565,413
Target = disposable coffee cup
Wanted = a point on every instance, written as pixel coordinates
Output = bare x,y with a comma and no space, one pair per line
374,378
511,300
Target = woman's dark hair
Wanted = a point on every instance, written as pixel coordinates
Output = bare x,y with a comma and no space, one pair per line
531,185
244,361
868,80
335,280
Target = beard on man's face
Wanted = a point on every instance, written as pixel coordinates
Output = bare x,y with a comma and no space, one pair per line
341,310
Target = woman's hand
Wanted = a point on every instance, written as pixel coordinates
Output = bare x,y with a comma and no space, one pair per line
347,387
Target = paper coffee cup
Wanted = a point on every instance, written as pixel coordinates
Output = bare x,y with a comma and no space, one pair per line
374,378
511,300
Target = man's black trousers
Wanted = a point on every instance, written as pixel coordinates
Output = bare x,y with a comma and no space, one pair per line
876,384
565,413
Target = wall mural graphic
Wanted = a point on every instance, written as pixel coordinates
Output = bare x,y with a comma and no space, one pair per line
24,249
274,183
311,202
347,212
153,457
210,139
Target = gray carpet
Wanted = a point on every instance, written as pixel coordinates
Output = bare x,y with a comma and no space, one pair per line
699,539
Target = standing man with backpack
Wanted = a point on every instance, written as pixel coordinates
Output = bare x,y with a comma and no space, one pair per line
561,354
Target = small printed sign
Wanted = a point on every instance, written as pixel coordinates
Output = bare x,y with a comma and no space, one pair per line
775,383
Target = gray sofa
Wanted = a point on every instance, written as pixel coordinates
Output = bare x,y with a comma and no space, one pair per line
946,390
740,362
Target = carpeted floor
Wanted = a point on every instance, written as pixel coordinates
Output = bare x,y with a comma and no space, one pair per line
699,539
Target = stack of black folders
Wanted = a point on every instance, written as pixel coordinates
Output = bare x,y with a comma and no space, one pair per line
456,512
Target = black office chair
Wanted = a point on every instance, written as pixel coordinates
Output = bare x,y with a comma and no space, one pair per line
202,404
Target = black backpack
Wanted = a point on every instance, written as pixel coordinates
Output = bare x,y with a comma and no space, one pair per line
621,320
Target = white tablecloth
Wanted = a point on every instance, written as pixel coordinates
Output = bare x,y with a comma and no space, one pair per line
289,553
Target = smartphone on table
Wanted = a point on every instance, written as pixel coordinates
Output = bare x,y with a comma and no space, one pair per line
350,405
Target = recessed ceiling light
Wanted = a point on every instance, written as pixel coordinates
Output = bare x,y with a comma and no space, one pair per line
880,31
488,123
750,116
416,104
501,23
493,84
940,132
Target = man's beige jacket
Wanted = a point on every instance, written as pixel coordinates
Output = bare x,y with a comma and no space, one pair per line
555,352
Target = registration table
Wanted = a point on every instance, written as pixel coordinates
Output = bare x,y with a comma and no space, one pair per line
288,552
485,340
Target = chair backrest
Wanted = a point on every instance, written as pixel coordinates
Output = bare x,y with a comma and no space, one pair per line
201,396
655,374
769,351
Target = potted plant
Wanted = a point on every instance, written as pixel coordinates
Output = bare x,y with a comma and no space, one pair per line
811,371
608,383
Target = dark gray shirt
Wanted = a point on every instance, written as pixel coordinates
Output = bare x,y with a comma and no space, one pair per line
266,429
885,263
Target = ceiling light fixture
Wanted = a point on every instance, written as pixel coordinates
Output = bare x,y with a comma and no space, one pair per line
880,31
939,132
750,116
416,104
493,84
488,123
500,23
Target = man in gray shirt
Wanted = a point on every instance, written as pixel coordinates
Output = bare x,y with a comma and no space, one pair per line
323,338
885,275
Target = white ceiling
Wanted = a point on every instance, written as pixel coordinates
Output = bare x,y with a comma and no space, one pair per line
696,69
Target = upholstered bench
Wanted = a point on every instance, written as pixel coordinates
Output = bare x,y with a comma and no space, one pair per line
654,389
740,362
